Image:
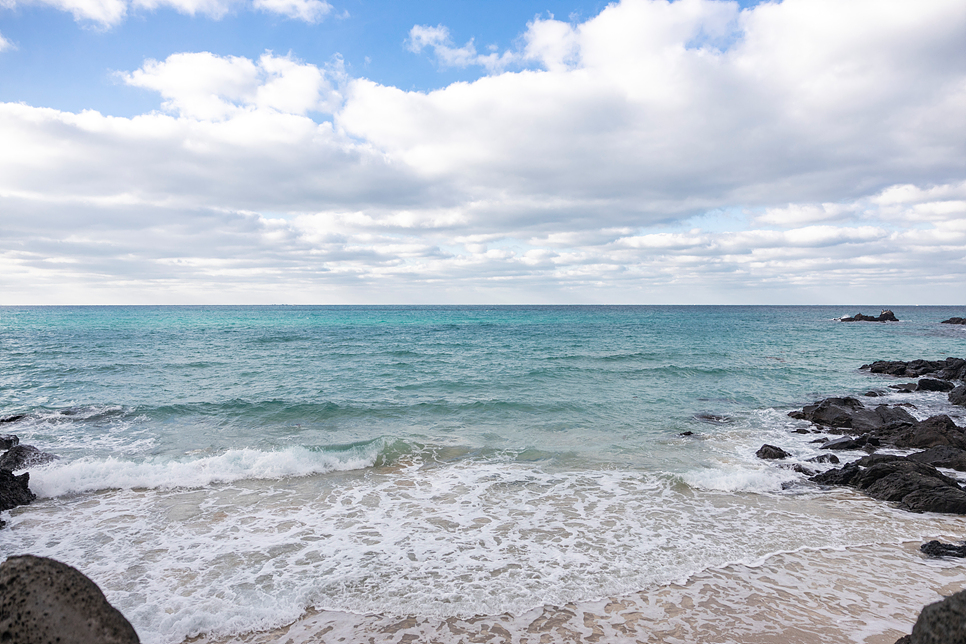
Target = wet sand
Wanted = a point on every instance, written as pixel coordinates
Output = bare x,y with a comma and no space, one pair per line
868,594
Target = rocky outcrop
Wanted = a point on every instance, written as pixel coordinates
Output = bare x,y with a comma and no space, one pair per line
930,384
20,457
936,549
14,490
852,417
941,623
771,452
948,369
958,396
932,432
43,601
914,486
884,316
954,321
8,440
942,456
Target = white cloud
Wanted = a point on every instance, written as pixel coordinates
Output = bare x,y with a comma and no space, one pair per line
110,13
836,128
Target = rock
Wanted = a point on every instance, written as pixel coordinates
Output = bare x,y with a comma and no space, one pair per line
14,491
798,467
942,456
954,321
20,457
771,452
686,434
824,458
871,394
928,384
831,412
823,439
958,396
846,443
948,369
44,601
937,549
7,441
12,419
905,387
885,316
801,430
916,487
941,623
932,432
851,416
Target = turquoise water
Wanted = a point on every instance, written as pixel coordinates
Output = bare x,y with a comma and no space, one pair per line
362,451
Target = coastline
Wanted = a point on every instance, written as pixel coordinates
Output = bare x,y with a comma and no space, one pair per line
782,600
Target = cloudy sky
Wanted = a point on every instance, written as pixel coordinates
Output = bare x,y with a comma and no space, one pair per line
376,151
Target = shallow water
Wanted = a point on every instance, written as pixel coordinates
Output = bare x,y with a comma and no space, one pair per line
230,470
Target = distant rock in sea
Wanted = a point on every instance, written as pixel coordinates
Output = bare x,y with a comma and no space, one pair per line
884,316
954,321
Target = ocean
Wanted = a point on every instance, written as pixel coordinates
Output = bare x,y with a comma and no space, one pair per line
462,474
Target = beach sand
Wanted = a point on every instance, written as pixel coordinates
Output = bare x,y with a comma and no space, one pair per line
870,594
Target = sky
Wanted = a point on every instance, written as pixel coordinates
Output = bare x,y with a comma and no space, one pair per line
429,152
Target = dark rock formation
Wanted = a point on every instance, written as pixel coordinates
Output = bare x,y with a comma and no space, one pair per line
884,316
905,387
771,452
14,490
8,440
847,443
20,457
954,321
932,432
942,456
938,549
852,417
929,384
44,601
916,487
12,419
824,458
958,396
941,623
948,369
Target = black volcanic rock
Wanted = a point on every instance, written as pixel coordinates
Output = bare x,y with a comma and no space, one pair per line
771,452
831,412
14,490
20,457
941,623
954,321
850,416
884,316
846,443
8,440
948,369
942,456
43,601
937,549
929,384
958,396
824,458
932,432
916,487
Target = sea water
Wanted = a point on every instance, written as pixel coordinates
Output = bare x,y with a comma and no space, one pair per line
231,470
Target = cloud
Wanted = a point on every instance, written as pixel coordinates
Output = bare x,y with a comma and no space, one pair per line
110,13
591,172
5,44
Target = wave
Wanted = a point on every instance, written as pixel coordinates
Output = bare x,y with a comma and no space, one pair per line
88,474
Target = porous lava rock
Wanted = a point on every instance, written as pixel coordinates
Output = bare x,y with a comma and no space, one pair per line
932,432
942,456
936,549
941,623
914,486
771,452
44,601
20,457
14,490
930,384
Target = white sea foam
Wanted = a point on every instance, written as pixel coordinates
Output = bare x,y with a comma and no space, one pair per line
442,539
90,474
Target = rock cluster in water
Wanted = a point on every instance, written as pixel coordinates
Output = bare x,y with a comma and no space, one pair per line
14,488
43,601
884,316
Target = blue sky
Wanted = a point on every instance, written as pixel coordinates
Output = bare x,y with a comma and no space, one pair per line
699,151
